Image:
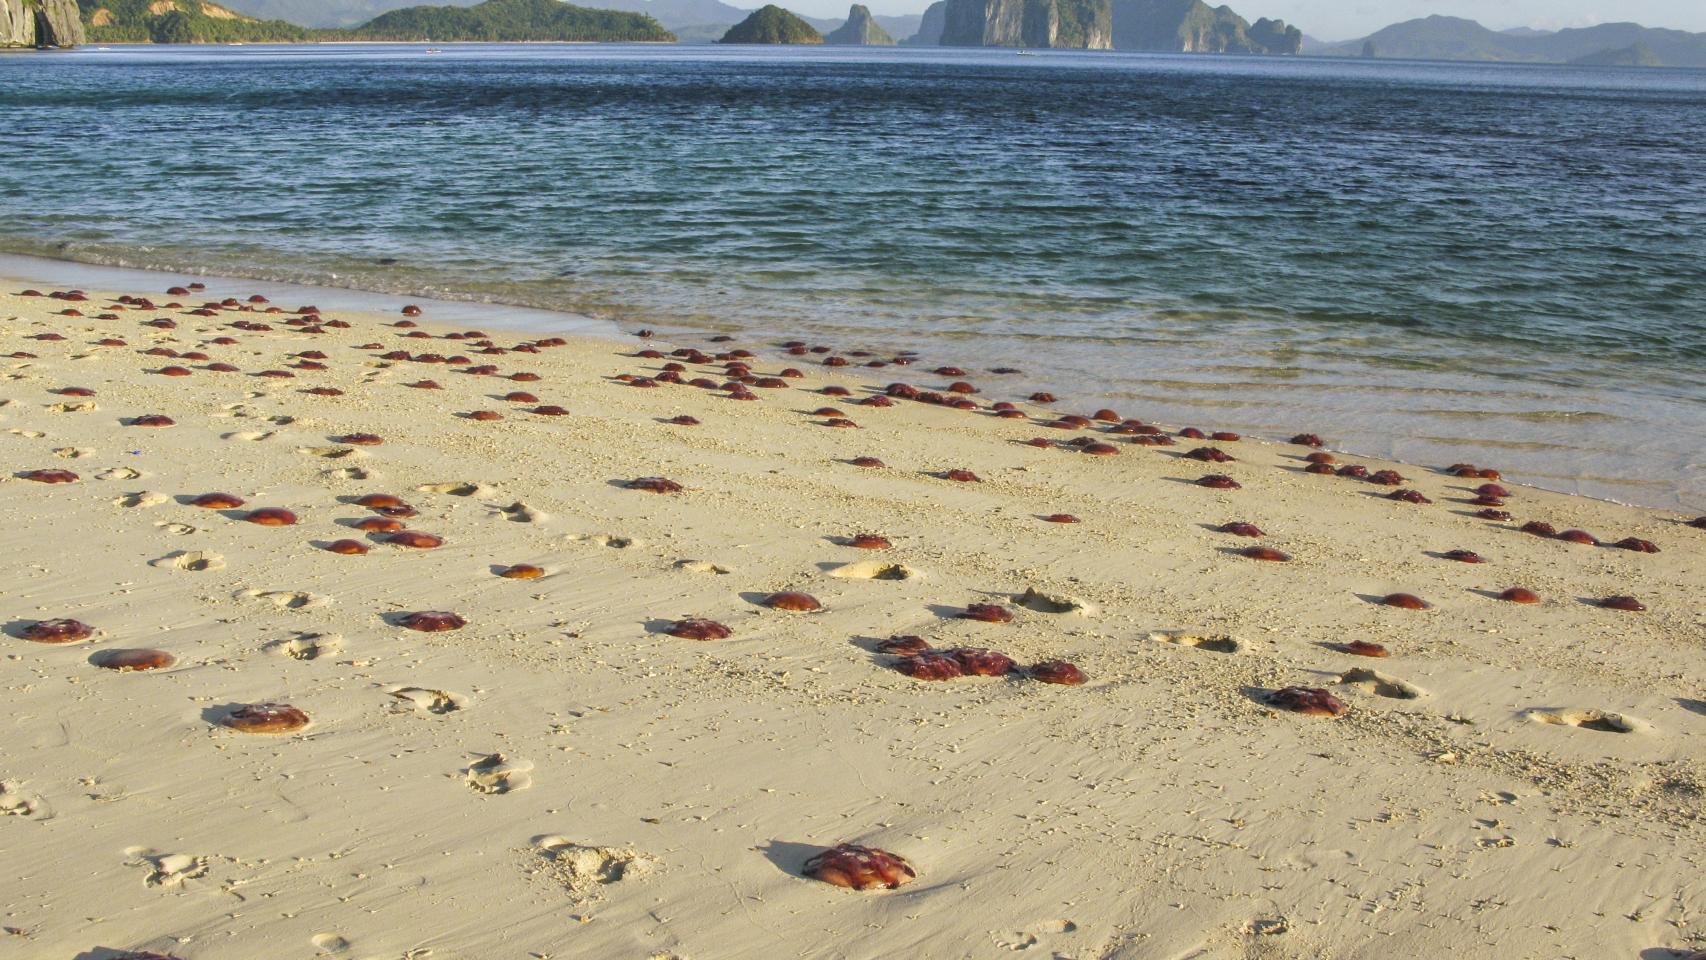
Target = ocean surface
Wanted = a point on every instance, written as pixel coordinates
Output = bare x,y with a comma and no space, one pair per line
1433,262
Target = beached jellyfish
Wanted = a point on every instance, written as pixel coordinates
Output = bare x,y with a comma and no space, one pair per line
432,621
1628,604
415,539
653,485
1192,433
1408,496
684,421
152,420
963,476
793,600
1463,556
1355,471
1579,536
869,541
349,548
1307,440
1493,514
1404,601
1211,455
49,476
1056,671
1309,701
1320,457
549,410
1319,468
1219,481
904,645
58,631
1386,478
1241,529
696,629
1519,595
127,661
378,525
1061,518
930,665
987,613
521,571
860,868
217,501
866,462
1491,490
266,718
1637,545
520,396
1364,648
360,439
1540,528
979,662
270,517
1265,553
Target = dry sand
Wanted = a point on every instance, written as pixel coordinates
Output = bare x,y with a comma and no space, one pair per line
560,779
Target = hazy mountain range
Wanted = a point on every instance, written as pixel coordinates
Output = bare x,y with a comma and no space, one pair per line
1453,38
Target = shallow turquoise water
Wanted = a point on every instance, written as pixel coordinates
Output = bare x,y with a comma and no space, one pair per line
1430,262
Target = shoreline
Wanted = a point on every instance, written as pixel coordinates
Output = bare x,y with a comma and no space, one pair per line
564,776
524,317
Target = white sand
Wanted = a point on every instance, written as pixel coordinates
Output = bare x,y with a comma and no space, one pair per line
655,797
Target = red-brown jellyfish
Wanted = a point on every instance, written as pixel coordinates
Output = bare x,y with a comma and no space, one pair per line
360,439
520,396
654,485
1219,481
1265,553
1627,604
1463,556
1061,518
49,476
1307,440
349,548
125,661
58,631
1578,536
1386,478
904,645
1364,648
1404,601
1099,449
987,613
1355,471
1224,436
697,629
685,421
432,621
1540,528
861,868
869,541
1192,433
521,571
1519,595
866,462
379,500
1057,671
378,525
963,476
415,539
1309,701
793,600
1241,529
1493,514
930,665
218,501
979,662
271,517
266,718
1321,469
1637,545
1491,490
152,420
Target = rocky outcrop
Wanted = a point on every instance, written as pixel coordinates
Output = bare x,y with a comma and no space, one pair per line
1081,24
40,23
772,24
1192,26
859,30
930,29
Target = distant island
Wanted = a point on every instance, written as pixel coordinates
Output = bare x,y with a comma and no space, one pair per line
860,30
1454,38
509,21
772,24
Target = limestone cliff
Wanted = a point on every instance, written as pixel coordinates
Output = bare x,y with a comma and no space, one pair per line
930,28
1192,26
1082,24
40,23
859,30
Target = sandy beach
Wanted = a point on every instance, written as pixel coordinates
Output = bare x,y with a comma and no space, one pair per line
560,777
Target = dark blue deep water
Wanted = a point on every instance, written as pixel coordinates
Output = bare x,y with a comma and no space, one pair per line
1434,262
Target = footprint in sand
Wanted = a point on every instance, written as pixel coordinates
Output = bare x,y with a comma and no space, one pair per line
176,529
329,943
281,420
1218,642
32,434
520,513
456,488
72,453
426,700
495,773
1381,684
284,599
348,473
72,406
1034,935
701,566
141,498
874,570
248,435
166,869
15,801
191,560
308,646
1034,599
584,871
1603,721
605,540
118,473
331,453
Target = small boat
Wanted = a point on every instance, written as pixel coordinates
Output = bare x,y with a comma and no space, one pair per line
434,50
1027,53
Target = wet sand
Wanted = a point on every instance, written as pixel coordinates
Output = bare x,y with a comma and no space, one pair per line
561,777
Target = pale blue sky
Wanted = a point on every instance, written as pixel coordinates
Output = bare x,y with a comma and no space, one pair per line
1346,19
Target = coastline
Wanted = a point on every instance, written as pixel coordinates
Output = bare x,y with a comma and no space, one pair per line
1163,809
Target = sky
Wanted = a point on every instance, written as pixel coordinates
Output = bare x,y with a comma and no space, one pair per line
1349,19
